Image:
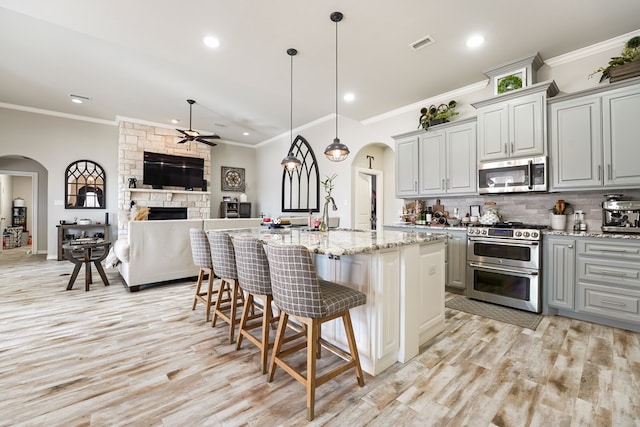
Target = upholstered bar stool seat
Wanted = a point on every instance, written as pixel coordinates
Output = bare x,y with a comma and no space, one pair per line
297,291
201,252
254,279
230,297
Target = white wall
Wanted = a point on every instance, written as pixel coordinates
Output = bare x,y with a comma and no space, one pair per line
233,156
54,143
6,196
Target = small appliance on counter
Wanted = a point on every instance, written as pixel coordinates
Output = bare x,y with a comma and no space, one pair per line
620,216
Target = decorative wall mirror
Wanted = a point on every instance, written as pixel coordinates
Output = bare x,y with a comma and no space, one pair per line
85,185
301,187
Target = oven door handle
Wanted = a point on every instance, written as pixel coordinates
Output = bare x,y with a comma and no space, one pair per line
504,242
504,270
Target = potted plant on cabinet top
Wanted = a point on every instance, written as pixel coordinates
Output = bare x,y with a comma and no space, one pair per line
624,66
436,115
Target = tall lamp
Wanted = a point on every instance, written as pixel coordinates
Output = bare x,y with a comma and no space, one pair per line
336,151
291,162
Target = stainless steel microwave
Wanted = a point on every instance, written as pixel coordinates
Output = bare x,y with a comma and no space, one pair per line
513,176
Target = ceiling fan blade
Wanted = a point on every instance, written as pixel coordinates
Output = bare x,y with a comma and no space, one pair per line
182,132
183,141
204,141
214,136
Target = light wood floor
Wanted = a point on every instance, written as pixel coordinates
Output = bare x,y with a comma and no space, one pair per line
110,357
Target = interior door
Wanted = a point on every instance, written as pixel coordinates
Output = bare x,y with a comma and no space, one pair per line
363,201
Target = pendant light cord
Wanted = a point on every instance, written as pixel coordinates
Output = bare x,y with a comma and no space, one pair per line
337,79
291,102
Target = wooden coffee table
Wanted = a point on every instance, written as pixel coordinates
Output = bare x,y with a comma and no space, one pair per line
86,252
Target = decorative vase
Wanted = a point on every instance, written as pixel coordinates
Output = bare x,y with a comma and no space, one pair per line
324,224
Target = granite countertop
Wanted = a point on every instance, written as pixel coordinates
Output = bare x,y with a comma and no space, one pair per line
598,234
434,228
338,241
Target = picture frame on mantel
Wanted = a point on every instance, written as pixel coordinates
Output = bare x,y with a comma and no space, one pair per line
510,81
232,179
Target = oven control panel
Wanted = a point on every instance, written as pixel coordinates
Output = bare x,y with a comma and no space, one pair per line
505,233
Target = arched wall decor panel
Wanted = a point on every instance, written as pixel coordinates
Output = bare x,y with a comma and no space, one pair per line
84,186
301,187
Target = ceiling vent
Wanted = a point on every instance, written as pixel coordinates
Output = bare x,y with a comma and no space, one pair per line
419,44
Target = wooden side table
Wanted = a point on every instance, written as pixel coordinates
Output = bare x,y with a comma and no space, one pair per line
87,253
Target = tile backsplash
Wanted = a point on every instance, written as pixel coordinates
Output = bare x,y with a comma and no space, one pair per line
534,208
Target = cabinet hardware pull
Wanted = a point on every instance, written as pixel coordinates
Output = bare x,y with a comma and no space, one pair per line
513,147
599,173
448,184
505,148
619,304
570,246
609,172
616,250
611,273
443,187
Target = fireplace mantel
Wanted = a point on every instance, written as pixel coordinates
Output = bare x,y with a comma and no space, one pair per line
169,193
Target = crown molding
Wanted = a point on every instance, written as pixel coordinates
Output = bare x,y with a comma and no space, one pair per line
616,42
57,114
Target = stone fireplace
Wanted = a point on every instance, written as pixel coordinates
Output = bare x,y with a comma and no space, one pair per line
134,139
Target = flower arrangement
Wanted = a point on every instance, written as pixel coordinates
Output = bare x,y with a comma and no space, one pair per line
439,114
630,53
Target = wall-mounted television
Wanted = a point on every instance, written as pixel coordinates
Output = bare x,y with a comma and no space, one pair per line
172,171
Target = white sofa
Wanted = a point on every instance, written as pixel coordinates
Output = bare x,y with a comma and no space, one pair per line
159,251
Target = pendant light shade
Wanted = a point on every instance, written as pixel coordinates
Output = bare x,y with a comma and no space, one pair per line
291,162
336,151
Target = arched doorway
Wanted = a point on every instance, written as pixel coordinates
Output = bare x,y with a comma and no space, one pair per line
28,171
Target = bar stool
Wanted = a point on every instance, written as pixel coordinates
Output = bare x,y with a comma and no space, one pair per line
255,281
298,292
201,253
230,297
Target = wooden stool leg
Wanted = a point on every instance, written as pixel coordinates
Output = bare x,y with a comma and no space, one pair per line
312,353
267,315
198,284
243,320
210,293
277,345
232,313
351,339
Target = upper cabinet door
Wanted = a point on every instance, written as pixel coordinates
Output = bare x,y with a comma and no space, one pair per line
407,167
493,132
576,143
526,126
621,110
433,166
462,167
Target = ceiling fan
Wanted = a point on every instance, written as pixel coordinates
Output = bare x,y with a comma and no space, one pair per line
194,135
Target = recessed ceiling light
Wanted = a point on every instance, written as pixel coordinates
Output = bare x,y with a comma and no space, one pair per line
349,97
246,133
475,41
79,99
175,121
211,42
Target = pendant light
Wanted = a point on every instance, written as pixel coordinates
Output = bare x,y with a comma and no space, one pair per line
291,162
336,151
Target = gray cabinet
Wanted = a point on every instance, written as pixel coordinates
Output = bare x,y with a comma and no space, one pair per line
609,279
448,160
407,166
559,272
437,162
594,140
456,276
514,124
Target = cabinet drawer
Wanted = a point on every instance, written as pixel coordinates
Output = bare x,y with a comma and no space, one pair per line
615,251
609,271
609,301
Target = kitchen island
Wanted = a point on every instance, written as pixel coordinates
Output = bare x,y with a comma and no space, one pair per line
402,274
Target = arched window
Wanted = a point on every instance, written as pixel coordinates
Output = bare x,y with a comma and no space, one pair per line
85,185
301,187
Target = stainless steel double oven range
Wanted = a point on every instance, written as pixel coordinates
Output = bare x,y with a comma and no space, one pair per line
504,265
